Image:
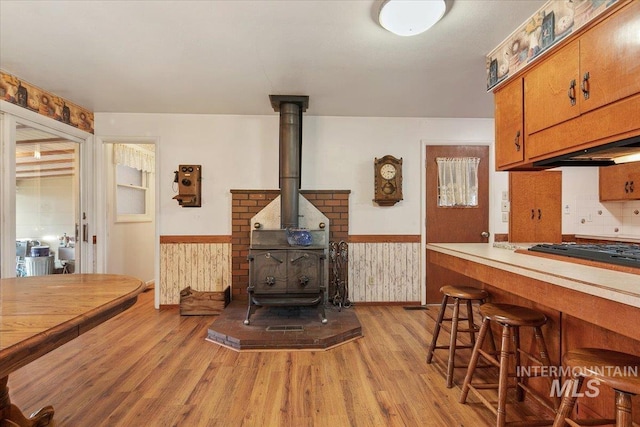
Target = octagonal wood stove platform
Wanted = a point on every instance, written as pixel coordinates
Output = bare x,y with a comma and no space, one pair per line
283,328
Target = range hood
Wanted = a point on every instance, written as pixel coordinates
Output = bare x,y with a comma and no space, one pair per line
623,151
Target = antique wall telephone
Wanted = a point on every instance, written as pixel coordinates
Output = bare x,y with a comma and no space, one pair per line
188,178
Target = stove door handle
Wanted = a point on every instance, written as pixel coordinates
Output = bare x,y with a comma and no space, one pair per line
299,258
268,255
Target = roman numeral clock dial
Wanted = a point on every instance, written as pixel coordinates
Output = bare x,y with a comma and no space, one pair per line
387,180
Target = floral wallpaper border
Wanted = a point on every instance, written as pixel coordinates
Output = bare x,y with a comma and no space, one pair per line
551,23
31,97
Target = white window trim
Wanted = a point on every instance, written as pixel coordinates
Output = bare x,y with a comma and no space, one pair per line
123,218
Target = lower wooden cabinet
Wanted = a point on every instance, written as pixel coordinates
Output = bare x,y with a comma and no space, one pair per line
620,182
536,206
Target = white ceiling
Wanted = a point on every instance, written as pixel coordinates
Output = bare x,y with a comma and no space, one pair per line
226,57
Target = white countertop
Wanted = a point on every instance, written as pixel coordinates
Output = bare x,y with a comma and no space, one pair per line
609,284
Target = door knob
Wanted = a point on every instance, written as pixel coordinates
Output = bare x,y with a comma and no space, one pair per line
485,234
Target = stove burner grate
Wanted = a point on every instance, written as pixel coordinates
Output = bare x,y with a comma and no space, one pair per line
619,254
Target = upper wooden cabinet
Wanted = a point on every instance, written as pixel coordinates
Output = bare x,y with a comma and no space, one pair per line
583,94
620,182
551,90
509,120
600,67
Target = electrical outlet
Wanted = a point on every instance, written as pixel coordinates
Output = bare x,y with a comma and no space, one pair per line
504,206
567,210
371,281
505,216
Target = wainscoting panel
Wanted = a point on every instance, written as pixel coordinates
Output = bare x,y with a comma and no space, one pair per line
384,272
204,266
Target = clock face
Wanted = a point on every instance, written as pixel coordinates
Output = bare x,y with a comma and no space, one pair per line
388,171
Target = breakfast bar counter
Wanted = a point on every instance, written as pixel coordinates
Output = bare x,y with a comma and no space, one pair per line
604,297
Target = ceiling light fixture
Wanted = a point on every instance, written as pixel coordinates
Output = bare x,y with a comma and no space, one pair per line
410,17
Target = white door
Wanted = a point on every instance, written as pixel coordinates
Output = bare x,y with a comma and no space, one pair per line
45,208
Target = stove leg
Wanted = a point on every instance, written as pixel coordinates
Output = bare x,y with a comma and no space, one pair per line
322,313
249,310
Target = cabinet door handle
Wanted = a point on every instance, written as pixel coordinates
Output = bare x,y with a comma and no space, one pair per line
539,213
572,92
631,187
533,214
626,187
585,85
516,141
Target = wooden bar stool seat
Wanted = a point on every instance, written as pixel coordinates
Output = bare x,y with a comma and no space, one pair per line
457,293
619,371
511,318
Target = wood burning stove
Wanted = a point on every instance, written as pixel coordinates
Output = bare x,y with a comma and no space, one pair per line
284,275
280,273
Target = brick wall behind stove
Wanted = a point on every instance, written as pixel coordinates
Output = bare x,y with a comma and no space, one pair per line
334,204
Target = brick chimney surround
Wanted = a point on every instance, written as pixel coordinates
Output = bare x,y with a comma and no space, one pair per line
246,203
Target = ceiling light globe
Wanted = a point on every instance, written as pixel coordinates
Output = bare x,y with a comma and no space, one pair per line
410,17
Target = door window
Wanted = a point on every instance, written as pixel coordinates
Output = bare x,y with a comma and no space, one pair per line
458,181
47,202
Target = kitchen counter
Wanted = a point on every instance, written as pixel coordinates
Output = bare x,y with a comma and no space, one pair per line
611,285
585,306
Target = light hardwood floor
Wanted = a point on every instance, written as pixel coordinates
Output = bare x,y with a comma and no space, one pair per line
150,367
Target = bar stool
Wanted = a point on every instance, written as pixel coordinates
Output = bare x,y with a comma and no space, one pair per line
611,368
511,318
457,293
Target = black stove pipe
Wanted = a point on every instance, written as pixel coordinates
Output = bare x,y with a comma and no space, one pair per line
291,109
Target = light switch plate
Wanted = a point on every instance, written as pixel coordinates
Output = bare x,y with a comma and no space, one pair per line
505,216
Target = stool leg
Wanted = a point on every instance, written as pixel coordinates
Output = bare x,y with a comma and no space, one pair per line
453,341
472,332
474,359
518,361
503,376
492,344
436,330
544,358
568,401
623,409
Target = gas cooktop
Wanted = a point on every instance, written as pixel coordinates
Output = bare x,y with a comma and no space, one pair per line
619,253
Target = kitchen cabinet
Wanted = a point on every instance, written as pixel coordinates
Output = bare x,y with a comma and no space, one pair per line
620,182
509,123
535,213
584,93
596,69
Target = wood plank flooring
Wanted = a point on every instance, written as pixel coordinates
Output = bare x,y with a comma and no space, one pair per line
150,367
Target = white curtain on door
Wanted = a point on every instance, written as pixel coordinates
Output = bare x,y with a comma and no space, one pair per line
134,157
457,181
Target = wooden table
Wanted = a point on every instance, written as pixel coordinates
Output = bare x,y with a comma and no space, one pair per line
39,314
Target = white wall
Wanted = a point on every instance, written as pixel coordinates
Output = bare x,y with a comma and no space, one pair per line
583,214
241,152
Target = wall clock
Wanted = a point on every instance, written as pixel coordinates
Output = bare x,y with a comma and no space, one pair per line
387,180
